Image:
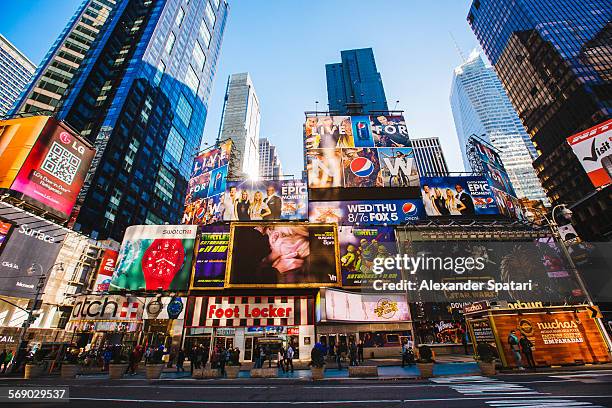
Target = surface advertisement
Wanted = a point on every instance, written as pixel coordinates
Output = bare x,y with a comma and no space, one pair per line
106,270
593,147
359,247
367,212
5,230
30,251
272,200
155,257
457,196
338,305
55,168
211,257
283,255
359,151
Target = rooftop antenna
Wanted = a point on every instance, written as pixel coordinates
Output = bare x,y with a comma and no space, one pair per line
457,47
396,102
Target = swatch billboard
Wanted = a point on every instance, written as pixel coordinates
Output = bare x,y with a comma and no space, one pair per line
211,257
56,162
359,151
155,257
593,147
366,212
466,196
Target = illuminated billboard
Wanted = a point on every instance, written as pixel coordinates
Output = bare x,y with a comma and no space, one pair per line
338,305
359,247
155,257
366,212
106,270
211,257
359,151
593,147
45,161
283,255
466,196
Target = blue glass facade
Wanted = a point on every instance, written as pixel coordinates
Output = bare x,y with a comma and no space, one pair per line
141,96
355,80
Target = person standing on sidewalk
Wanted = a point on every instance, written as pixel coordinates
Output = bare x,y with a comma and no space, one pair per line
527,349
360,352
338,356
353,353
180,360
513,341
289,357
281,359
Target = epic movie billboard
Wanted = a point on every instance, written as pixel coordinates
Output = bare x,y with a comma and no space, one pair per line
283,255
272,200
338,305
359,151
32,241
457,196
359,247
211,257
154,257
366,212
593,147
55,168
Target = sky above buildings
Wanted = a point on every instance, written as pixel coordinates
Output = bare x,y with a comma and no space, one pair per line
285,46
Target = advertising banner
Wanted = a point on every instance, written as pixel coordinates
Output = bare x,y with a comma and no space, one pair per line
155,257
211,257
166,307
106,313
338,305
593,147
457,196
367,212
55,168
284,255
272,200
30,250
106,270
359,151
359,247
5,230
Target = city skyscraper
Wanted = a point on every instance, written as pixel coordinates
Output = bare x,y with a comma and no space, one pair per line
16,70
553,58
240,122
355,80
140,95
270,166
481,107
59,67
429,156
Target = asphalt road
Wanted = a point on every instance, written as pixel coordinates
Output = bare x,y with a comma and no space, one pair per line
568,389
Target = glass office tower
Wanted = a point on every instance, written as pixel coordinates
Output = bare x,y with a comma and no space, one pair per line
482,108
140,96
553,58
355,80
16,70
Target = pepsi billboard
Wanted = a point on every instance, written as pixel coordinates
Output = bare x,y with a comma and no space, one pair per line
359,151
367,212
458,196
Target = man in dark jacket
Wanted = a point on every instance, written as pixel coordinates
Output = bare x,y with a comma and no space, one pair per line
527,349
274,203
466,200
513,341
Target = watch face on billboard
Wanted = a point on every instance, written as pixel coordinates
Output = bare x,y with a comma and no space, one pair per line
155,257
359,307
283,255
55,168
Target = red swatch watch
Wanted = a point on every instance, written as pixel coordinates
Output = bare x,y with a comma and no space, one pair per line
161,262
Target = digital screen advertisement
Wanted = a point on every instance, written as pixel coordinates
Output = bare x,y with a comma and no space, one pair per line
338,305
593,148
155,257
106,270
457,196
367,212
283,255
211,257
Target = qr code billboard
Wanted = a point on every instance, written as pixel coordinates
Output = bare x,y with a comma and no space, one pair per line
61,163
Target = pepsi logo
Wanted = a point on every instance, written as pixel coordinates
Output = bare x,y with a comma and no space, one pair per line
362,167
409,208
65,137
361,125
489,200
200,213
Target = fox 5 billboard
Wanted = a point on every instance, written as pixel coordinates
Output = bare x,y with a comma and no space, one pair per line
593,147
44,161
366,212
359,151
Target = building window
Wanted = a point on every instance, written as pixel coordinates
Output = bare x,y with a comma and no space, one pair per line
153,219
179,17
199,59
170,43
184,110
175,145
164,185
159,73
205,33
210,15
191,80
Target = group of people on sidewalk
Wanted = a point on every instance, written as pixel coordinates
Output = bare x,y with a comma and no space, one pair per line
219,358
521,345
354,352
284,357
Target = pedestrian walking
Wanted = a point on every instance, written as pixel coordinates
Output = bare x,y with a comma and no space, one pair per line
353,354
257,357
360,352
513,341
527,349
180,360
107,356
338,356
281,359
223,359
289,354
